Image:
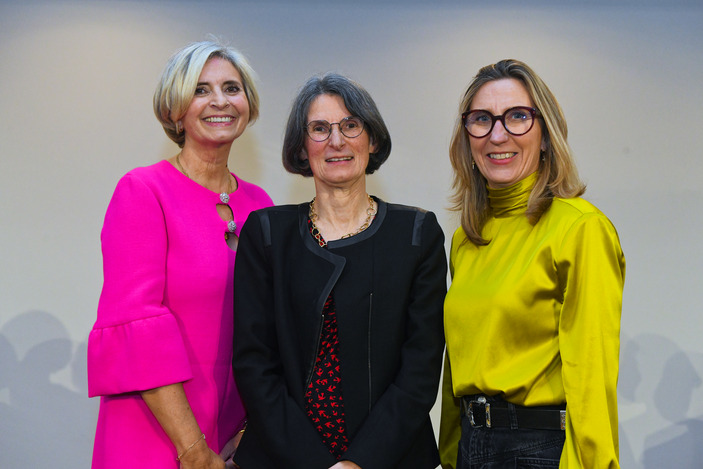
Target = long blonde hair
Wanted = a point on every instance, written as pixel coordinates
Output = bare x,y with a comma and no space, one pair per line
557,173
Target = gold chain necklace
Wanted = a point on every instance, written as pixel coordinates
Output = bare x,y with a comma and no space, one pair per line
224,196
370,213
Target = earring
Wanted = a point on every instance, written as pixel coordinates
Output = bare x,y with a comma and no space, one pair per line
179,127
473,164
542,155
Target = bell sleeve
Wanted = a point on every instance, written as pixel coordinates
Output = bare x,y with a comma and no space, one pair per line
136,343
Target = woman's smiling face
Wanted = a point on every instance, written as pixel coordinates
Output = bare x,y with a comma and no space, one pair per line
503,158
219,111
338,161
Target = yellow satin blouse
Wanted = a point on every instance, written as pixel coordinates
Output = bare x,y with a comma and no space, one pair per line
535,317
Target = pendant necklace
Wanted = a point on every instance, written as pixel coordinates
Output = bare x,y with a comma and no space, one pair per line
224,196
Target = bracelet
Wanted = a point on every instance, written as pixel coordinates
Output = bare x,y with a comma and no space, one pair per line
201,437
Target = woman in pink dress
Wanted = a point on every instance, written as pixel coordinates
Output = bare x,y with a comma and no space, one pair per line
159,354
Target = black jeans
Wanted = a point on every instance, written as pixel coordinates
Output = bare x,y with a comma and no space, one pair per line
506,448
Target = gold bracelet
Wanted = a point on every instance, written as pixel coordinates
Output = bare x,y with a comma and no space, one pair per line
201,437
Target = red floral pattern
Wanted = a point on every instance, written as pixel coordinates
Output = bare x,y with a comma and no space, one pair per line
324,402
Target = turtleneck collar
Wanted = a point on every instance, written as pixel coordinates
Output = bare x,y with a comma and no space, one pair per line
511,200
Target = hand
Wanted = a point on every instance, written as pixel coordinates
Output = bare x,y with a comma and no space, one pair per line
201,457
170,407
345,465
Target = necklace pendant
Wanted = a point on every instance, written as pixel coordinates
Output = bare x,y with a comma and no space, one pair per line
224,197
231,226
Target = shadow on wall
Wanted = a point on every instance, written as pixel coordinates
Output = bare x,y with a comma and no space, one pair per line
43,423
656,387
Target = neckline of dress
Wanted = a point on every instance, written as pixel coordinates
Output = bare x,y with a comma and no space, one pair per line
202,188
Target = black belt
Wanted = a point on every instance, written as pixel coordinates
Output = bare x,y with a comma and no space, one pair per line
496,413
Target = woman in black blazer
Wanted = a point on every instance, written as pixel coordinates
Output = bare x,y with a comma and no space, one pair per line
338,340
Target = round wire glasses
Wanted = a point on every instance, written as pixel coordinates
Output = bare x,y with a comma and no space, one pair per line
320,130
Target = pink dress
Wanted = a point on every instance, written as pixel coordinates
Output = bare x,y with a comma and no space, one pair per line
165,314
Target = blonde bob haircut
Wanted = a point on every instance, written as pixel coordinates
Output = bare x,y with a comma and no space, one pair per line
179,80
557,173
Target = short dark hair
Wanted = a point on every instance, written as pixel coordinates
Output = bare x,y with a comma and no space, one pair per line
359,103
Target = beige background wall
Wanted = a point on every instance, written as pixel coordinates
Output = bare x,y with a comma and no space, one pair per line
76,80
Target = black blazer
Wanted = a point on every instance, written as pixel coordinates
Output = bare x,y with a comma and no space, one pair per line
389,285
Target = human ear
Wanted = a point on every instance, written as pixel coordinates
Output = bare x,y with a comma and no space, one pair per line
372,147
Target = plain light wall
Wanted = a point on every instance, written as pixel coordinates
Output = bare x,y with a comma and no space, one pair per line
76,82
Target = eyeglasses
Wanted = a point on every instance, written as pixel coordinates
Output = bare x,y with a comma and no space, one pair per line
320,131
516,120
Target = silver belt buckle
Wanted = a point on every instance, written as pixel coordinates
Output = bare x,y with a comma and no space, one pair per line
480,403
562,419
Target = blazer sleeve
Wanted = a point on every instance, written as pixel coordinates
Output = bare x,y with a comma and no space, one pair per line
397,417
591,267
276,419
136,343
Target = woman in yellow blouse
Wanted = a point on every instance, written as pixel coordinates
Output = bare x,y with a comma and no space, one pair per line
532,318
